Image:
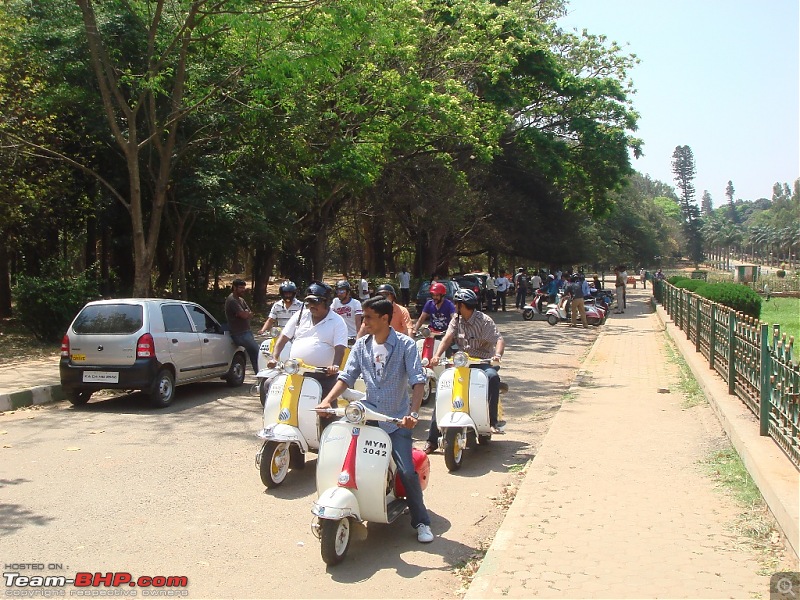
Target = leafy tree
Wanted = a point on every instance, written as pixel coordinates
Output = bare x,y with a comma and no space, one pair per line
729,192
706,205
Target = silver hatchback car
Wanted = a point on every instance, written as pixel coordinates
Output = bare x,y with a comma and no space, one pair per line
145,344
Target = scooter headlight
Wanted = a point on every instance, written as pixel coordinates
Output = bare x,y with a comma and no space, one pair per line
354,412
425,331
274,332
291,366
460,359
425,362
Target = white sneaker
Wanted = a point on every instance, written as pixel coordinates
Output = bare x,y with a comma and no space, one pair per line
424,533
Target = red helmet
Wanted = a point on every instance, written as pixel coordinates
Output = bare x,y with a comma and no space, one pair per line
438,288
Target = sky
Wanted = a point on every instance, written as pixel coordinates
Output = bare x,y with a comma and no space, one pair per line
721,76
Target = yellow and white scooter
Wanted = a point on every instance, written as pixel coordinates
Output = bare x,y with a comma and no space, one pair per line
462,407
291,426
265,374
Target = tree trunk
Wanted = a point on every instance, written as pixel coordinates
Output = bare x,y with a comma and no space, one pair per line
5,283
262,268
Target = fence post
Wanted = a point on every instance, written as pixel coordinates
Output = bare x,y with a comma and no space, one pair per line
731,351
697,323
766,388
712,336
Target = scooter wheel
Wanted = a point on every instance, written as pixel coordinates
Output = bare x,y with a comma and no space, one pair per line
483,440
453,450
552,319
428,393
527,314
335,540
274,465
262,391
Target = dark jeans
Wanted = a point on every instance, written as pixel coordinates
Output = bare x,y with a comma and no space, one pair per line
522,292
401,452
327,382
501,299
494,401
248,342
405,296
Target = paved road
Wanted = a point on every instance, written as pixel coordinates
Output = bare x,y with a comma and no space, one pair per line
116,486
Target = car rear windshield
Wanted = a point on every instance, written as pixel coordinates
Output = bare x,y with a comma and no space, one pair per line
118,319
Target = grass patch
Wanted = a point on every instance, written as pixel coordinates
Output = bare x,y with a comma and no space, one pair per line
755,526
785,312
688,386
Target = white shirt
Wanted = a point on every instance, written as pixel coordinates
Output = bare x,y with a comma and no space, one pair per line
536,281
364,289
379,355
315,344
502,284
348,312
281,314
404,277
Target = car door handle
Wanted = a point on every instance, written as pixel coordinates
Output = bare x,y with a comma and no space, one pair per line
174,341
206,340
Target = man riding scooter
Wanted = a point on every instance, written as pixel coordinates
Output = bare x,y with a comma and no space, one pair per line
439,309
285,309
388,363
476,334
318,335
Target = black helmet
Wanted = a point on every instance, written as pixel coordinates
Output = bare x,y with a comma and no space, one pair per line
343,285
288,287
467,297
318,291
386,287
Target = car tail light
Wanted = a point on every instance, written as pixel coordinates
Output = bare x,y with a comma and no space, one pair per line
476,289
65,347
146,347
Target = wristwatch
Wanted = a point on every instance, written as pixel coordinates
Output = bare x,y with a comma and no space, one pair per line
414,415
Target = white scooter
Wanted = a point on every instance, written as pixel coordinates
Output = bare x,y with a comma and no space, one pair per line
426,347
537,309
291,427
357,479
462,408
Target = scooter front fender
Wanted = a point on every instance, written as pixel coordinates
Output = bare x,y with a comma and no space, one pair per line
336,503
455,419
280,432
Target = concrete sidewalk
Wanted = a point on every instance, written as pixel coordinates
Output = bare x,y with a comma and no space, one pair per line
616,503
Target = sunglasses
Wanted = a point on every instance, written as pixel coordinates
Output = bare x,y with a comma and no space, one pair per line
312,301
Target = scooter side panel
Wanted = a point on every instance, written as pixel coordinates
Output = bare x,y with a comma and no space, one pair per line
373,455
463,391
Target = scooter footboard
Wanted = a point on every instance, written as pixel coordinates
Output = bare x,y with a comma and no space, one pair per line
336,503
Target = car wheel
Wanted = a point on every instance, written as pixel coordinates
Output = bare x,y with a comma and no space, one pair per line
163,389
235,376
79,397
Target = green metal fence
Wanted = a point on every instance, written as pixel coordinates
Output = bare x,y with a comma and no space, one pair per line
751,356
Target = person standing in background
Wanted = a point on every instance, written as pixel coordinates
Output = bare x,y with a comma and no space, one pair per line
404,277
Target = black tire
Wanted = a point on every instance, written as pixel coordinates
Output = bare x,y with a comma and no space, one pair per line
235,375
552,319
453,452
430,392
334,540
527,314
274,465
79,397
163,389
483,440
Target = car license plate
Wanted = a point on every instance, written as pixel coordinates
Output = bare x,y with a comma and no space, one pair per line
78,357
100,377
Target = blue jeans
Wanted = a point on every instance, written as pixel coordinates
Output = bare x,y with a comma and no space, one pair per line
494,401
401,452
248,342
